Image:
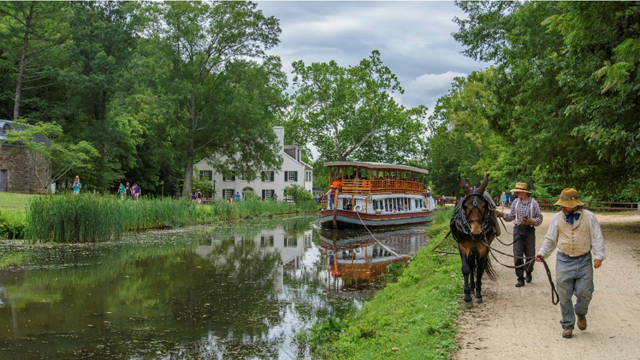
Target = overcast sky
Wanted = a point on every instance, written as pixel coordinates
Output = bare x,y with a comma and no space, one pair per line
414,40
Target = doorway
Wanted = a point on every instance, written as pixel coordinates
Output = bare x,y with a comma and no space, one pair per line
3,180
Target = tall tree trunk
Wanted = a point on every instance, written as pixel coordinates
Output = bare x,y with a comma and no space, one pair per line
188,172
21,65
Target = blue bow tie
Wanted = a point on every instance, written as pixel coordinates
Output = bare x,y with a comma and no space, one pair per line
572,218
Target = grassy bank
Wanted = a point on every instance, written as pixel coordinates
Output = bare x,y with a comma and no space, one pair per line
95,218
413,318
12,201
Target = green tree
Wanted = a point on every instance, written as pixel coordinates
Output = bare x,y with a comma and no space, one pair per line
462,142
219,86
559,104
104,39
50,156
350,112
33,32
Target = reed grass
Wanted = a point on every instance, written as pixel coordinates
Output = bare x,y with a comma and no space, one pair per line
95,218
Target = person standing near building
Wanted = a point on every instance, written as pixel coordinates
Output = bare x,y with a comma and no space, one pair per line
577,234
503,199
525,213
121,191
237,196
76,185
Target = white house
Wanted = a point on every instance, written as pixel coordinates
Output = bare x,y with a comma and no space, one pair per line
268,183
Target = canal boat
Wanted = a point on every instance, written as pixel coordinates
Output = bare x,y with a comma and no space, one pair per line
375,194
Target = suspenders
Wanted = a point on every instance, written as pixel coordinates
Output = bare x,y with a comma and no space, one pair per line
518,222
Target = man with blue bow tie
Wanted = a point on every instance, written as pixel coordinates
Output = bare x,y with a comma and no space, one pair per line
576,233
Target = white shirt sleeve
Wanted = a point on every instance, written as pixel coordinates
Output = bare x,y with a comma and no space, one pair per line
551,239
597,241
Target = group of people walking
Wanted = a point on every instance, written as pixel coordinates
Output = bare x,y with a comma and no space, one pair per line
575,233
129,192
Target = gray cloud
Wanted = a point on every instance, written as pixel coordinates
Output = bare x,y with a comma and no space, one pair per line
414,39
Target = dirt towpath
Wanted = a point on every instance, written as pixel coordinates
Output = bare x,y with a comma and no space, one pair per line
522,323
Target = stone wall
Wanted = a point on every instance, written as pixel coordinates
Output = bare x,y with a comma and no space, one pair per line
21,175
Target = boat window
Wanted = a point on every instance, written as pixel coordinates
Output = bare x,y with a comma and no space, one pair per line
375,205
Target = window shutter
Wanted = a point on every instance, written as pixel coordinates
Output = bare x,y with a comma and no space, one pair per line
233,177
295,176
263,194
272,176
286,176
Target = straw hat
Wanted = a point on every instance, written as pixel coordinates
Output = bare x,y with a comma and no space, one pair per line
521,187
569,198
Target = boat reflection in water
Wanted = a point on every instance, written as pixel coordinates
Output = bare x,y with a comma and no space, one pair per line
355,260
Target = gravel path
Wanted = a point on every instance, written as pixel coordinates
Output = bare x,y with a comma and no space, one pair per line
522,323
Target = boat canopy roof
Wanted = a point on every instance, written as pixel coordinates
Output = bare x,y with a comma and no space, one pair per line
374,166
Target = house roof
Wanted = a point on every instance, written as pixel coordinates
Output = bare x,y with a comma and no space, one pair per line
374,166
6,125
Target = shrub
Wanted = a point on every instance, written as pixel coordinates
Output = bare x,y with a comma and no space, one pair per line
298,193
12,224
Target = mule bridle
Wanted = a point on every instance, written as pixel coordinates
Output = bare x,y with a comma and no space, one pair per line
461,215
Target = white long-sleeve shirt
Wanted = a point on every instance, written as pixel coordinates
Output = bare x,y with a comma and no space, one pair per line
551,239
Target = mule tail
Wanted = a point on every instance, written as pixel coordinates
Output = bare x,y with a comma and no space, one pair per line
488,269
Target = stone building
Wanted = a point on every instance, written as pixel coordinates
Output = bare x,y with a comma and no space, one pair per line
20,170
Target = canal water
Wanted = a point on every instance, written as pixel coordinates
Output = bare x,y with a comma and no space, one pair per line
243,290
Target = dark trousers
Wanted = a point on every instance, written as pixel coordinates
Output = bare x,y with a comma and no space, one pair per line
524,245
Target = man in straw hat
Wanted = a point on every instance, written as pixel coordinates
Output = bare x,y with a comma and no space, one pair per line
525,213
576,233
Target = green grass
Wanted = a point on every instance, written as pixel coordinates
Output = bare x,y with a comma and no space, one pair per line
15,201
416,315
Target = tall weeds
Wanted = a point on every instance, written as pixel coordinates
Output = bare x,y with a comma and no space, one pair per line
95,218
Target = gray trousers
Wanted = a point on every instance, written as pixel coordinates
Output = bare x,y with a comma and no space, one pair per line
574,276
524,245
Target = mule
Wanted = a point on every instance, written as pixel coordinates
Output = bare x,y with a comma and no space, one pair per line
473,227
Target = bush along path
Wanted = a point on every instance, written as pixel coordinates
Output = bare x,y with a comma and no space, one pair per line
414,318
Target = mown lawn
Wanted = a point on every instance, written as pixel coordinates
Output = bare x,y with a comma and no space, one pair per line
414,318
15,201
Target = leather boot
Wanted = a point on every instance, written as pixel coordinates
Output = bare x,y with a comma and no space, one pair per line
567,333
582,322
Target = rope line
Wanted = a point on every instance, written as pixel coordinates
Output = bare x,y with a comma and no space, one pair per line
378,241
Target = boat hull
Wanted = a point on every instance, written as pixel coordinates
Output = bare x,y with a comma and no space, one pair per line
350,219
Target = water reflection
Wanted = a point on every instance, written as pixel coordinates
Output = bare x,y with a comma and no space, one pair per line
212,293
354,260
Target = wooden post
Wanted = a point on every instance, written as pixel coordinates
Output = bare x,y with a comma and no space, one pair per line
335,210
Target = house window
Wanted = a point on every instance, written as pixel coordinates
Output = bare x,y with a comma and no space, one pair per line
290,242
307,240
290,176
266,240
307,176
245,176
267,194
227,193
268,176
231,176
206,175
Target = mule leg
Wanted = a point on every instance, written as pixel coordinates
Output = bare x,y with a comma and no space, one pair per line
466,271
482,261
472,267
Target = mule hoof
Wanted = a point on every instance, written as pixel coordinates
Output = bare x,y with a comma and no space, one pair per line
478,300
468,304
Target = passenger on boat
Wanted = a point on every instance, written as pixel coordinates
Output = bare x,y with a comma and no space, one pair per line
332,196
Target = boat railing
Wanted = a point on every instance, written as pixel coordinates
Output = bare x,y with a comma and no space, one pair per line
381,186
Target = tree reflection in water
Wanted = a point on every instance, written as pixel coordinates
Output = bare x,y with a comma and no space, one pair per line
209,292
